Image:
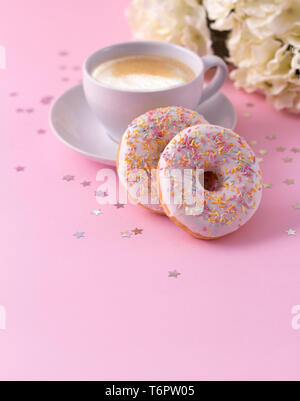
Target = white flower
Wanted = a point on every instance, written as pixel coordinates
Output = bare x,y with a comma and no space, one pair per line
182,22
264,45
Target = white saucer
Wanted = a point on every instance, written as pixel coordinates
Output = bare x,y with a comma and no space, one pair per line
76,126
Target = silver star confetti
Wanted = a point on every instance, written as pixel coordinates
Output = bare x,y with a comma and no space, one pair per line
291,232
20,169
287,160
280,149
101,194
126,234
268,186
289,182
119,205
68,178
295,150
79,235
97,212
174,274
86,184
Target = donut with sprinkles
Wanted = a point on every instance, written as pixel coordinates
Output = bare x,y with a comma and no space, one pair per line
141,147
209,181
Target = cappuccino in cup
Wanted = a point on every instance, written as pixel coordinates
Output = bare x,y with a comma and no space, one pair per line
143,72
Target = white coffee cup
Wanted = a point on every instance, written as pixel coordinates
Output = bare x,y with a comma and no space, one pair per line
116,108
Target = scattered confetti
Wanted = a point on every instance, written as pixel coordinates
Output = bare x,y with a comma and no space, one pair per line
137,231
47,100
291,232
280,149
77,68
30,111
126,234
250,105
287,160
62,67
295,150
101,194
97,212
20,169
69,178
79,235
253,143
263,152
19,110
63,53
297,206
247,115
65,79
271,137
13,94
119,205
86,184
260,159
41,131
174,274
289,182
268,185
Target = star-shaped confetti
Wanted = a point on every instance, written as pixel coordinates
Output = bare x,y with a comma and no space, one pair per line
271,137
253,143
263,152
289,182
63,53
126,234
46,100
79,235
287,160
291,232
97,212
101,194
137,231
20,169
260,159
174,274
119,205
280,149
86,184
268,185
68,178
247,115
41,131
295,150
250,105
297,206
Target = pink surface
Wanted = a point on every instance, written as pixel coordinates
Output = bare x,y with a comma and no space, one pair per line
103,307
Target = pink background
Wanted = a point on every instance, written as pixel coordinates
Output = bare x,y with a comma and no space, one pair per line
103,307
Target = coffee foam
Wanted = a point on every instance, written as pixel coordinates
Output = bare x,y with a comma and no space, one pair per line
143,72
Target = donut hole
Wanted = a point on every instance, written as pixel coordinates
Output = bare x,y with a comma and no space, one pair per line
212,181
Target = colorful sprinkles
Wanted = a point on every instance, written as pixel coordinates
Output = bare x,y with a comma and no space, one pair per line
238,192
141,148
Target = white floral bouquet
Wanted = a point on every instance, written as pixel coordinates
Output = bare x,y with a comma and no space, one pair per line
263,41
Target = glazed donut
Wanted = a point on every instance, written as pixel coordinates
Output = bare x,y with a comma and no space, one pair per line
141,147
223,166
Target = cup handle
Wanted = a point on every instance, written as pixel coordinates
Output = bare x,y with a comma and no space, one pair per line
218,80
